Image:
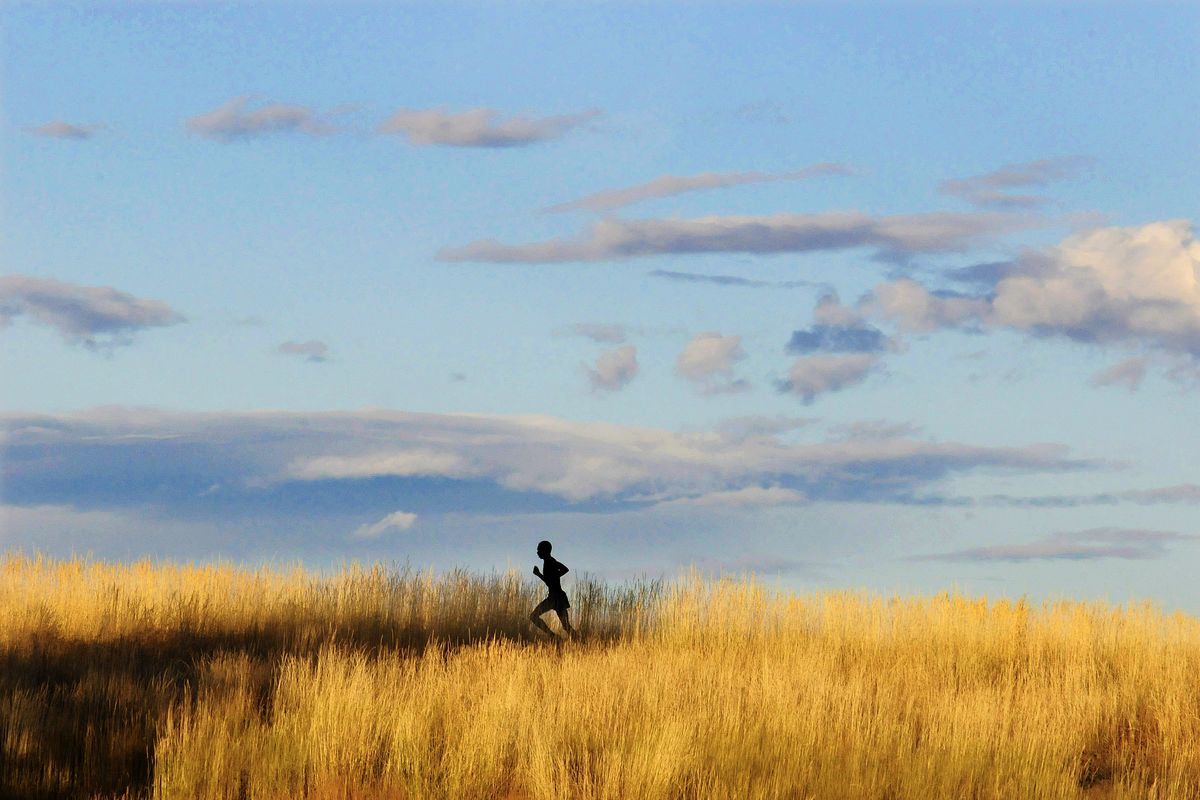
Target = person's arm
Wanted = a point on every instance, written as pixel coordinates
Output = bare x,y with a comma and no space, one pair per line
538,572
562,568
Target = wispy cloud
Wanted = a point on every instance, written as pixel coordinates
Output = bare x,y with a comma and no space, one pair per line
614,369
748,497
312,350
58,129
734,280
232,120
890,236
1095,543
874,429
1128,373
669,185
747,427
95,317
1182,494
480,127
994,189
602,333
395,521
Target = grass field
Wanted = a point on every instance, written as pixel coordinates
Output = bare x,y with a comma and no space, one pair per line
155,679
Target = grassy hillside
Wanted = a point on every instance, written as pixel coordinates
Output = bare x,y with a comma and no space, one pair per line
154,679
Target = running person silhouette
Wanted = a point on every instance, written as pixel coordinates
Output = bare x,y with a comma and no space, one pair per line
550,573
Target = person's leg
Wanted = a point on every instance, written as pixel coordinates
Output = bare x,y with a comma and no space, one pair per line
564,617
536,617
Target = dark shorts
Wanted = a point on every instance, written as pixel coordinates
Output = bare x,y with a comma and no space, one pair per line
555,602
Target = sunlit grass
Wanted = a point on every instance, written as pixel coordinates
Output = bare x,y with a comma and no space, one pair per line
160,680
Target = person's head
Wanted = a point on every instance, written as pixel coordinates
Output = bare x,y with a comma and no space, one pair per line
543,549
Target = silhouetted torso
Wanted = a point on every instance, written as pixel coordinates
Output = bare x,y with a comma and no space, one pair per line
550,574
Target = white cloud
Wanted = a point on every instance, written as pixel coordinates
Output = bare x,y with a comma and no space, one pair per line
397,462
96,317
479,127
707,354
829,311
396,521
231,120
890,236
915,308
614,369
708,361
811,376
1112,285
668,185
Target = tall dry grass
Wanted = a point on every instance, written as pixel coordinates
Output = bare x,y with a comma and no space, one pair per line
215,682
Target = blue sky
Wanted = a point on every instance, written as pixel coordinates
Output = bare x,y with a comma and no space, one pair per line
894,298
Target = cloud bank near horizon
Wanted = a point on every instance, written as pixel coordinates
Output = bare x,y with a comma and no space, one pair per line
228,466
